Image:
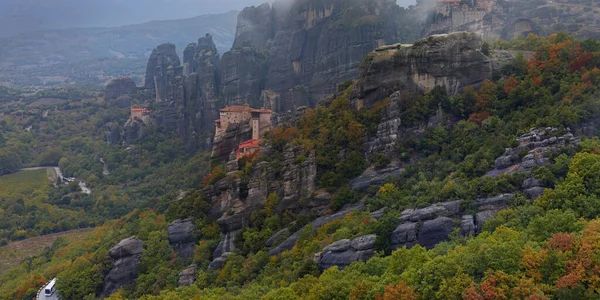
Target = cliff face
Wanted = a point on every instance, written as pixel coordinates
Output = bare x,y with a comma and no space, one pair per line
286,56
453,61
318,45
509,19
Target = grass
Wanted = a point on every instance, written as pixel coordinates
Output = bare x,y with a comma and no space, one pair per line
13,253
23,182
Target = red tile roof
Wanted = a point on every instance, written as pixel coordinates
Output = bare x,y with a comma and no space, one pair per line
245,107
250,144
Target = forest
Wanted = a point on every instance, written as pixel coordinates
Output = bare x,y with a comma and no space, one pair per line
547,248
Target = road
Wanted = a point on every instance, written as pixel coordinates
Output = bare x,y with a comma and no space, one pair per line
41,296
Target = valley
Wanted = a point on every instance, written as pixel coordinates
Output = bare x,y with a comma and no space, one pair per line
335,149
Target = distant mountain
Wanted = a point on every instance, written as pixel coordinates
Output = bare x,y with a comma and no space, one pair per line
92,55
20,16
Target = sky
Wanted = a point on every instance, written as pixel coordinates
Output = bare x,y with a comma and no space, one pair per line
18,16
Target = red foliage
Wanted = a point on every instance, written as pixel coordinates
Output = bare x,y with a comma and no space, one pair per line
479,117
580,61
510,84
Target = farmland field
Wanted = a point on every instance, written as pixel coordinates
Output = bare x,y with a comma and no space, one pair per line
23,182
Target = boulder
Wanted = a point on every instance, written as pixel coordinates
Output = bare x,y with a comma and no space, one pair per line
404,235
339,246
467,225
435,231
339,259
126,256
276,237
187,277
182,237
374,177
219,262
483,216
495,201
365,242
534,192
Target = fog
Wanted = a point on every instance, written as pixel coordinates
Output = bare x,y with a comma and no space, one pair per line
18,16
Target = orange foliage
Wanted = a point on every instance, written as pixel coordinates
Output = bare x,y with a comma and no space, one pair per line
360,291
211,177
32,281
532,260
471,293
398,291
561,242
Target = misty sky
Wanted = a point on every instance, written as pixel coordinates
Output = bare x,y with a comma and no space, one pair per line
27,15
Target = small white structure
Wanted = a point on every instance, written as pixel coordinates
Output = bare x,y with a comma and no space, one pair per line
48,292
50,288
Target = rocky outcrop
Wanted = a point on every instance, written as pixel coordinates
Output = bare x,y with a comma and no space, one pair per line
126,256
344,252
535,148
162,58
119,87
372,177
187,277
425,226
201,86
133,129
229,140
453,61
242,76
286,56
431,225
255,28
318,45
299,181
219,262
112,133
290,242
182,238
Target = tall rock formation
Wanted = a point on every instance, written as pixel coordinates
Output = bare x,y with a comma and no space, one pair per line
255,28
319,44
453,61
160,70
126,256
285,56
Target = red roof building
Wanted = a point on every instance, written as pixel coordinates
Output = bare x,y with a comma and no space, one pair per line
248,147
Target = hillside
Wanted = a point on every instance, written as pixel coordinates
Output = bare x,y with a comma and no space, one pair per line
487,191
91,56
331,153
